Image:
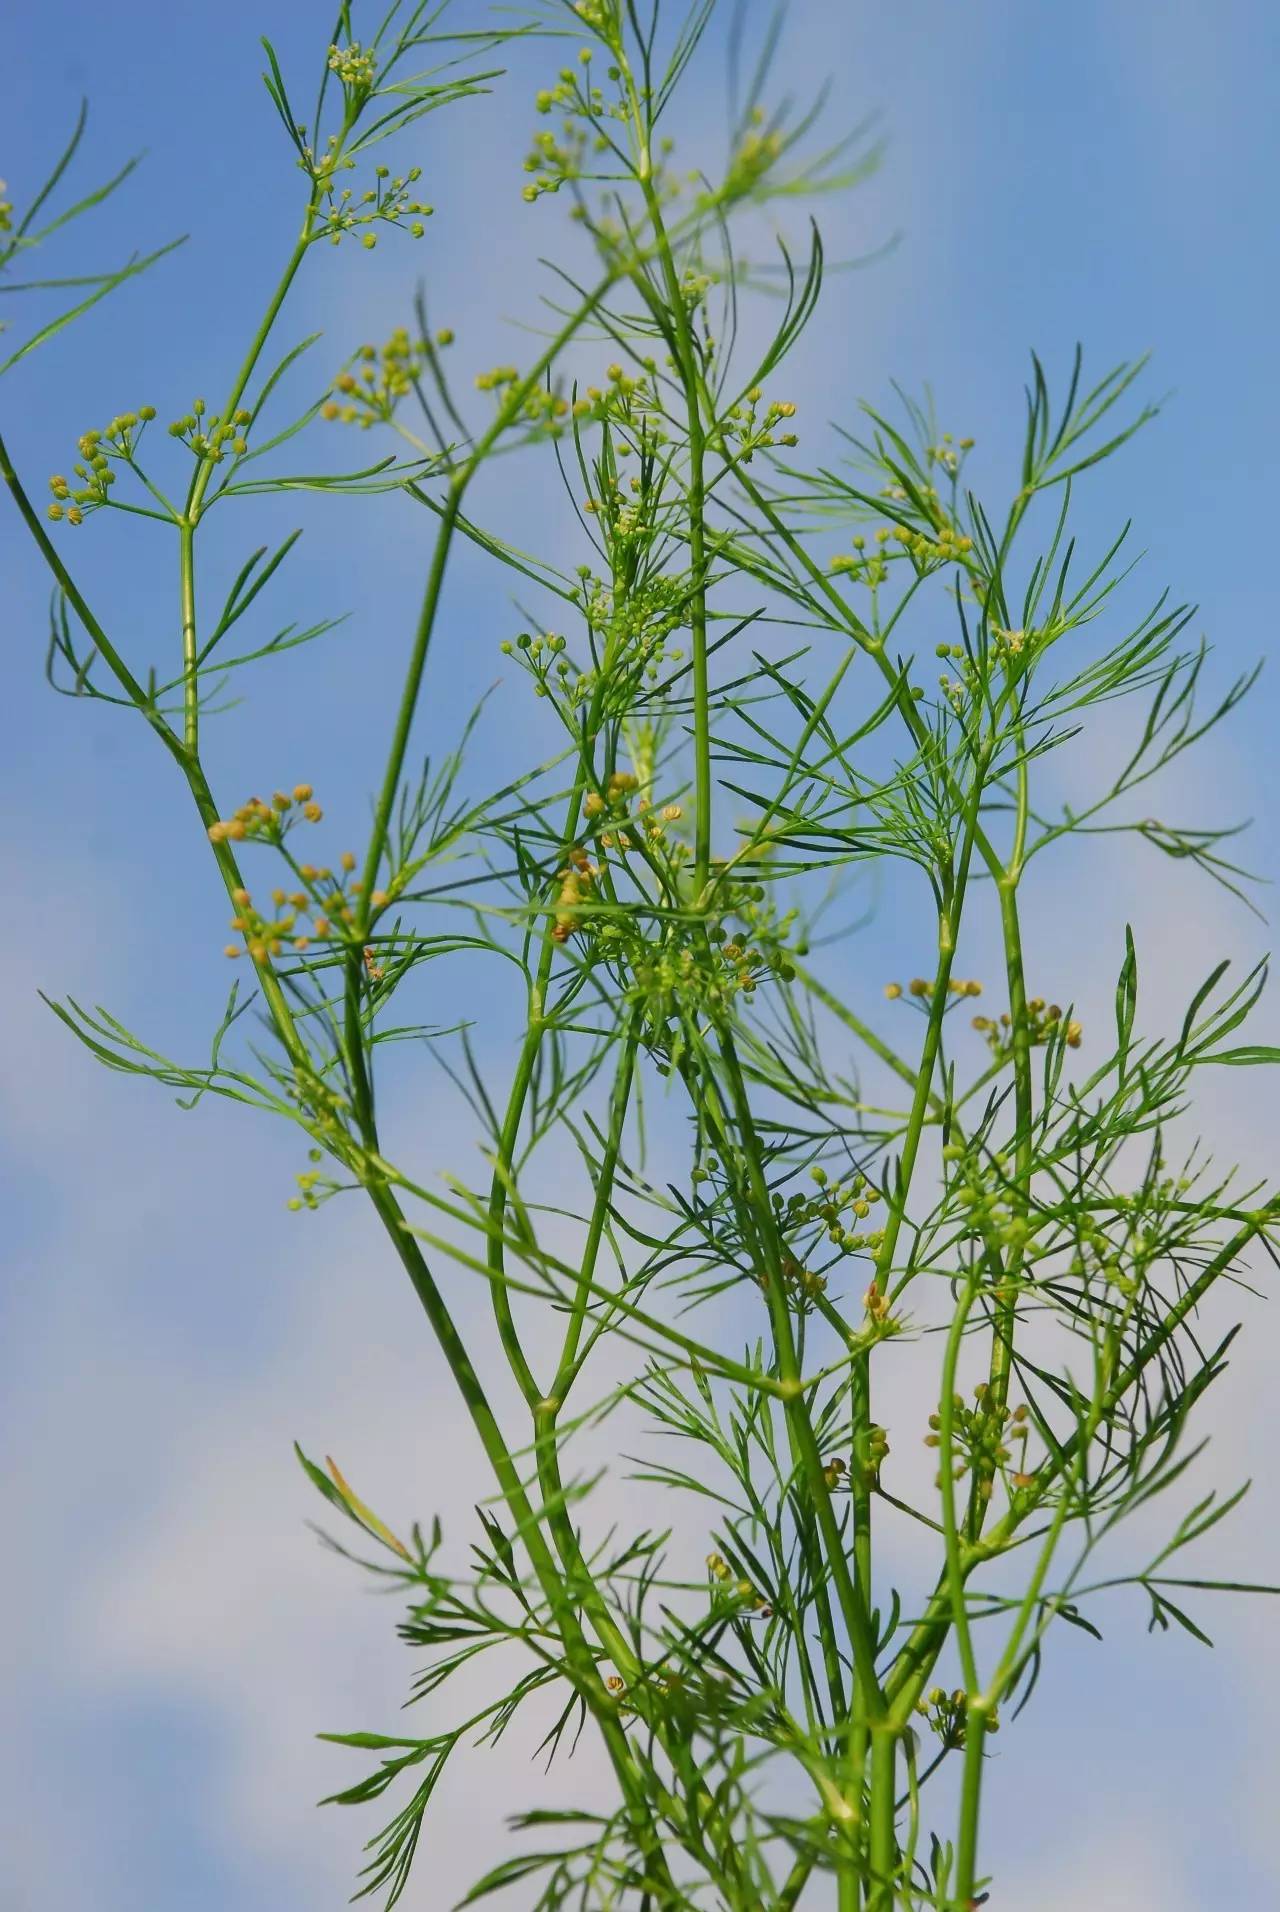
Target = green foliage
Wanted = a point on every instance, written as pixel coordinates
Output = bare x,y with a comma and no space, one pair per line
745,725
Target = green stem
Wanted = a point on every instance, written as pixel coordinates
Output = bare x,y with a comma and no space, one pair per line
1024,1107
946,1475
579,1656
409,699
970,1798
882,1854
190,644
695,507
203,475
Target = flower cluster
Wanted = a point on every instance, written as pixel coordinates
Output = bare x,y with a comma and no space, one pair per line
877,1454
840,1476
635,625
981,1434
922,989
354,65
927,551
947,1716
744,425
324,907
313,1187
601,16
740,1593
802,1285
757,152
1010,645
876,1305
832,1207
1044,1022
94,475
949,453
324,1107
386,374
982,1188
575,881
6,210
266,936
209,436
389,201
554,161
625,400
268,822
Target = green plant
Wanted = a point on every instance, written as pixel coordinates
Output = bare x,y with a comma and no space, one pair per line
770,1722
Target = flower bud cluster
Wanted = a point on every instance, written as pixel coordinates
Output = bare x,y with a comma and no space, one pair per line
355,66
1096,1257
728,1589
324,1108
922,989
801,1285
840,1476
385,374
602,16
833,1207
93,474
947,1715
575,881
981,1187
330,899
755,156
673,978
313,1187
554,161
980,1436
635,626
1044,1023
752,432
207,435
268,822
949,453
926,551
389,201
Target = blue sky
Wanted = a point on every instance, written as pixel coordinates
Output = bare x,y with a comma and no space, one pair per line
173,1637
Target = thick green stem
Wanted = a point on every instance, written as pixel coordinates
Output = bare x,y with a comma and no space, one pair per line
970,1800
882,1852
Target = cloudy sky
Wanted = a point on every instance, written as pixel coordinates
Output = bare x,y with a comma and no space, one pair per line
173,1636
